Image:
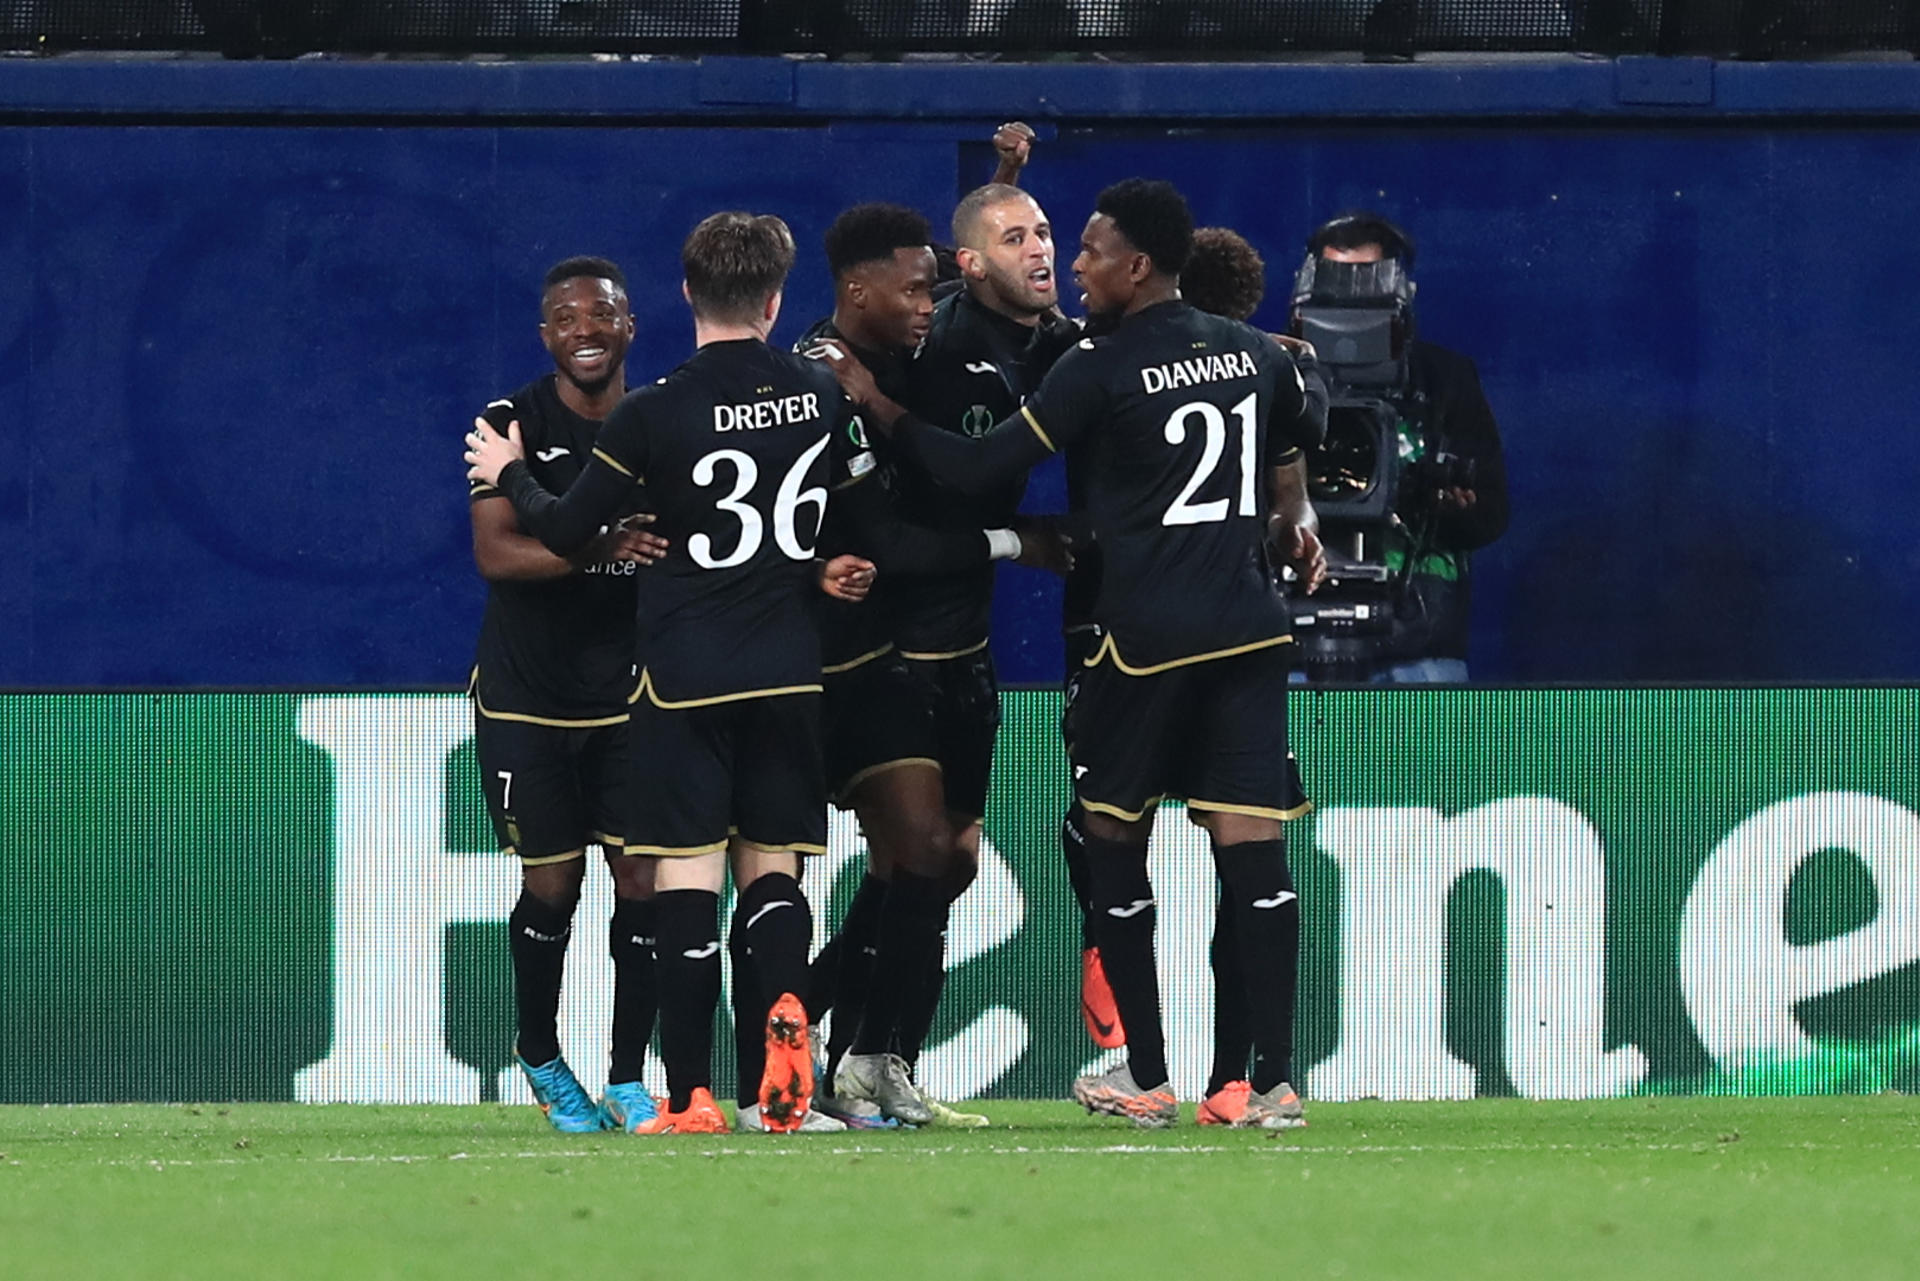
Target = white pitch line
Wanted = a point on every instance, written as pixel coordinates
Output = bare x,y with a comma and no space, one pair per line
1272,1149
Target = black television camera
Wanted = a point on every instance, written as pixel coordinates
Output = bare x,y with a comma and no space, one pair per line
1359,318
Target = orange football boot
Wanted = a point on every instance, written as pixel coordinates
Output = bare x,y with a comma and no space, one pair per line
786,1083
702,1116
1225,1106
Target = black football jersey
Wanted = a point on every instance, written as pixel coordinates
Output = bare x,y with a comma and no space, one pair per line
1171,424
1081,596
852,633
737,449
887,522
555,650
966,377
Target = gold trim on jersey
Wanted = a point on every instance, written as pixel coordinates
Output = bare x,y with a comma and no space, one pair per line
834,669
765,847
614,463
678,851
549,860
483,490
1215,807
852,785
1109,648
1254,811
1114,811
669,705
527,718
1293,452
918,656
1038,430
607,842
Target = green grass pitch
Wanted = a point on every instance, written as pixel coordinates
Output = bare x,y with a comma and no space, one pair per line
1633,1188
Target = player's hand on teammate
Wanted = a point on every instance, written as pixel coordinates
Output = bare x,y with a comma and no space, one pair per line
1013,143
638,543
1298,547
488,452
856,380
847,578
1044,545
630,540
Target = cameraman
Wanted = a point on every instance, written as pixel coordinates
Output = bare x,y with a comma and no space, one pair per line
1450,494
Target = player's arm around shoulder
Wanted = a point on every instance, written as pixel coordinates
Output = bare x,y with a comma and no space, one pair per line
570,523
505,552
502,551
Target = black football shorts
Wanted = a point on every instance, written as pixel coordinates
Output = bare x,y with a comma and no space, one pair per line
1213,734
1081,643
877,718
552,790
748,769
964,695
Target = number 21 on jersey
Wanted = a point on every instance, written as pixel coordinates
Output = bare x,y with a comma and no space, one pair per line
1207,417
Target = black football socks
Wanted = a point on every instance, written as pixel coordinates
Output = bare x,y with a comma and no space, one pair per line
1232,1037
916,1021
772,914
916,1017
768,940
1266,931
630,941
856,930
908,946
749,1024
857,941
687,962
1073,846
537,935
1123,921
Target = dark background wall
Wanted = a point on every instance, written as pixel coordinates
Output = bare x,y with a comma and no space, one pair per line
240,338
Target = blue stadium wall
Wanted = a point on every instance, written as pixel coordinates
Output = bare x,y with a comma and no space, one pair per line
247,310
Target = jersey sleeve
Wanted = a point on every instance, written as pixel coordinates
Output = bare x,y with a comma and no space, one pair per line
1290,426
1069,400
866,523
1313,413
621,443
1052,338
975,466
863,519
567,523
850,457
497,415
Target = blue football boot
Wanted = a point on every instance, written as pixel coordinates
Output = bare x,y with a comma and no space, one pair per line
628,1106
569,1108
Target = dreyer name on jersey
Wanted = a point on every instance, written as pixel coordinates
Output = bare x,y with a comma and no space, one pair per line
760,415
1195,370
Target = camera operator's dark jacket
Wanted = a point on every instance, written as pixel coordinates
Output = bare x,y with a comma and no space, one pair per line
1445,399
